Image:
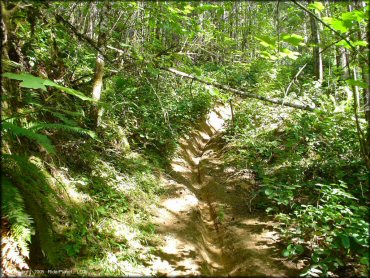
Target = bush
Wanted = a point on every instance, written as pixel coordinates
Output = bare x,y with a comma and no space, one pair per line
303,162
334,231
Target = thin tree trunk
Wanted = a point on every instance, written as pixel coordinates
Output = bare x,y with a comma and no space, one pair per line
364,34
317,56
341,62
278,24
97,88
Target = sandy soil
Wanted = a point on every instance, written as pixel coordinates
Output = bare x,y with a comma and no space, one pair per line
205,222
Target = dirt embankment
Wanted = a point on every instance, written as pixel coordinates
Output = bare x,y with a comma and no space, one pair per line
205,222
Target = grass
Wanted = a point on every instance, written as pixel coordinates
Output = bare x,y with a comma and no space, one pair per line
101,211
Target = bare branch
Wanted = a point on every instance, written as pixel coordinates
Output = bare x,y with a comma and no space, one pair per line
327,25
91,42
242,94
294,78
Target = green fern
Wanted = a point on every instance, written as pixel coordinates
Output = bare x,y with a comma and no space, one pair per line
41,139
43,199
42,126
26,173
13,208
33,98
53,110
62,117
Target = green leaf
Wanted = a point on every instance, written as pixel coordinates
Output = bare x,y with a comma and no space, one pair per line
198,71
290,54
364,260
267,41
293,39
33,82
152,22
188,9
316,6
344,44
299,249
69,91
358,83
268,191
355,15
345,241
360,43
152,70
64,127
28,80
336,24
286,253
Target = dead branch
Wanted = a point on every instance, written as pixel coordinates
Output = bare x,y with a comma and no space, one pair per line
238,92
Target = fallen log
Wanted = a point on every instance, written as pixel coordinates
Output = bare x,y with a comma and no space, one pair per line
238,92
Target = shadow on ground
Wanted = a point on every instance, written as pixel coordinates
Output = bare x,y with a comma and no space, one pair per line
204,220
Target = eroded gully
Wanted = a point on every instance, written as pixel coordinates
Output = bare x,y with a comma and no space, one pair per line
204,221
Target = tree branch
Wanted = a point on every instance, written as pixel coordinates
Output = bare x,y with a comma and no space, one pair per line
293,79
326,47
327,25
242,94
91,42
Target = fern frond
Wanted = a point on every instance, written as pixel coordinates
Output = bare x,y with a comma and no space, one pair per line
26,173
41,139
63,117
67,112
58,110
13,208
33,98
43,199
41,126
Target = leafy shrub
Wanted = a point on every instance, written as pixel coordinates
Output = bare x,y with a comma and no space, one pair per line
334,230
154,117
303,162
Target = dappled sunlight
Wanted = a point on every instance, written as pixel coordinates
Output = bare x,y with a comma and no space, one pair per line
78,197
204,221
216,120
180,204
181,138
125,233
71,192
180,168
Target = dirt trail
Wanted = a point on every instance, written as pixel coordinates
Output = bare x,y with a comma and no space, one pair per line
204,220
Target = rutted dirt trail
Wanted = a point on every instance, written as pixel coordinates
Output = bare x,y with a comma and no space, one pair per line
205,221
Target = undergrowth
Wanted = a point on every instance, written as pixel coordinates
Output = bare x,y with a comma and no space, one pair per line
17,228
100,212
88,195
311,178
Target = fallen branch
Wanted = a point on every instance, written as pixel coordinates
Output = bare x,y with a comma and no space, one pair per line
294,79
240,93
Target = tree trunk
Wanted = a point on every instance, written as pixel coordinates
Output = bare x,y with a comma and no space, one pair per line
315,37
97,88
365,75
341,62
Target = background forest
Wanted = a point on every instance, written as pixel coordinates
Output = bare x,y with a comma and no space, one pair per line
95,96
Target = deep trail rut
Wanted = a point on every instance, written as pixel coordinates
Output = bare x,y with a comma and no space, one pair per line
204,220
